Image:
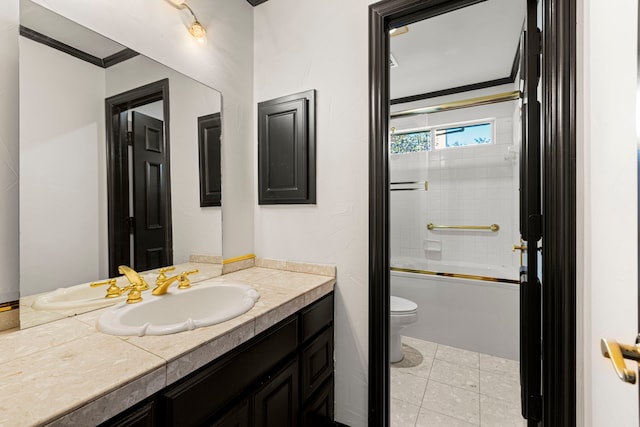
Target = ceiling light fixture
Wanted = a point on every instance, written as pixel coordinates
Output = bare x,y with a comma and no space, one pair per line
196,29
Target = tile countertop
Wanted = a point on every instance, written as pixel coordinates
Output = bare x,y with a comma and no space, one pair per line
68,373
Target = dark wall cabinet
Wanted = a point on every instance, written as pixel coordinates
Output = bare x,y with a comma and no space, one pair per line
286,150
282,377
209,153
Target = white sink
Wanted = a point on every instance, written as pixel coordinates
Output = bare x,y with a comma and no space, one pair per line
79,297
203,304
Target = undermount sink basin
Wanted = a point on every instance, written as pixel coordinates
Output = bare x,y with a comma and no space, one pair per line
179,310
79,297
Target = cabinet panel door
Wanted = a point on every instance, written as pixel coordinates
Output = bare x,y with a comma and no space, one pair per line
276,403
286,150
317,362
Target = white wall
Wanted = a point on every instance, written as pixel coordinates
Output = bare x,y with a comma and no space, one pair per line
196,230
322,45
61,140
607,210
9,137
156,29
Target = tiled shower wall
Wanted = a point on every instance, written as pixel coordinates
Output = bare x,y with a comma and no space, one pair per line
476,185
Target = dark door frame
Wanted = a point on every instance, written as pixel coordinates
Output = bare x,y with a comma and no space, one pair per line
118,167
559,201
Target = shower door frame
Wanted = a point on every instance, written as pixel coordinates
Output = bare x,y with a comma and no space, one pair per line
559,201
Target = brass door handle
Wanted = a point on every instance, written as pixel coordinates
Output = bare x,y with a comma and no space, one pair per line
522,248
617,352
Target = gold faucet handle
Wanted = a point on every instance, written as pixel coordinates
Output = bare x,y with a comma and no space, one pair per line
135,295
104,282
184,282
113,291
162,276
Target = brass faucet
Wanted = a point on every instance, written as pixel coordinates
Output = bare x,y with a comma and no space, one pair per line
133,277
137,285
163,282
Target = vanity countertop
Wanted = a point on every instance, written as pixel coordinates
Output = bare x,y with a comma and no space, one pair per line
68,373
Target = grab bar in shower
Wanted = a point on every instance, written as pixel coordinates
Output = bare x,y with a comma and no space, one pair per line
492,227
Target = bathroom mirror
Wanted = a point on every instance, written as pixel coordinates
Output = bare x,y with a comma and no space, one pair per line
66,185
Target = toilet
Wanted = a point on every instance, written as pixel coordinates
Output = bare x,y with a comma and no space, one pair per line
403,312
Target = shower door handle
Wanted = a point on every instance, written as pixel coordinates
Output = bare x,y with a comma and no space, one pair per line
522,248
617,352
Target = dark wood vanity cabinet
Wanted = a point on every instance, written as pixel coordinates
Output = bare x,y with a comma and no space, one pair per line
282,377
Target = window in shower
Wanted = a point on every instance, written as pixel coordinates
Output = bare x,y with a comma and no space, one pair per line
410,142
443,137
463,135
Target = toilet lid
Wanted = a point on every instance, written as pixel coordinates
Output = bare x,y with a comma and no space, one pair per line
401,305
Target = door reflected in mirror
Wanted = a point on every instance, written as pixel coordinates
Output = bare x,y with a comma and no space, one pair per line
97,187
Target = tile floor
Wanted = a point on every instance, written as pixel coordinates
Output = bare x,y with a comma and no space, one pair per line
440,386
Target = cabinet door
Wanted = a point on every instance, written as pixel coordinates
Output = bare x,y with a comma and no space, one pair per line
286,150
276,403
316,362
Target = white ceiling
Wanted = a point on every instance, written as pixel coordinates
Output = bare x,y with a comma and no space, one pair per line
471,45
39,19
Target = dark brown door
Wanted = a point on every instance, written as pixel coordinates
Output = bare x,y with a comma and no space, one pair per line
531,224
138,178
149,192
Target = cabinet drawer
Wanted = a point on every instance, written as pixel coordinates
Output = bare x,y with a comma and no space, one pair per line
200,396
317,362
316,317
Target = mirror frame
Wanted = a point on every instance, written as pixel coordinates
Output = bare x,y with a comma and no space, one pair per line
559,201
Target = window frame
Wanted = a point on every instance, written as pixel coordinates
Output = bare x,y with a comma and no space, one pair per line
433,129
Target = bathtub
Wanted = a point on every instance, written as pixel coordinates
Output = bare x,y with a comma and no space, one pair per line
468,311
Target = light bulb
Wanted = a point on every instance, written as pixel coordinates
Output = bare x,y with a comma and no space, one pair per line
198,32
